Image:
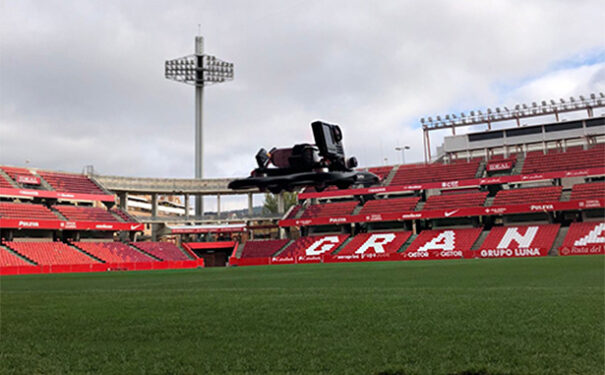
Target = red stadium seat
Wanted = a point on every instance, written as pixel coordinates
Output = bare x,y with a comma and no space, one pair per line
437,172
528,195
86,213
448,201
574,158
585,237
380,206
72,183
162,250
445,239
533,237
113,252
50,253
329,209
25,211
594,190
8,259
262,248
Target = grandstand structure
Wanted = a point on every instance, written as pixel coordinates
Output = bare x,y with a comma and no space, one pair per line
514,192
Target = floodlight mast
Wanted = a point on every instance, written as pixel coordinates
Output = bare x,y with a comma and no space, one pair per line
199,70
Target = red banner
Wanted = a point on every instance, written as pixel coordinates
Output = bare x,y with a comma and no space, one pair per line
6,192
28,179
499,166
460,212
456,183
70,225
583,250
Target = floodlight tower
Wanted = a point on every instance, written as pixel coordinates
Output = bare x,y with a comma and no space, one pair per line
198,70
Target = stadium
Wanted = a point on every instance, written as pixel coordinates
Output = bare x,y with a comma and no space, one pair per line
487,257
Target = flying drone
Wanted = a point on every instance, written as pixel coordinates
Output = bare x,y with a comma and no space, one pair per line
320,165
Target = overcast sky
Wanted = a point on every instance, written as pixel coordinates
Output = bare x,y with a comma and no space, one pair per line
82,82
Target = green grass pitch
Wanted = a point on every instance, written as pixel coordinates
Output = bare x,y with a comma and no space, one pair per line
506,316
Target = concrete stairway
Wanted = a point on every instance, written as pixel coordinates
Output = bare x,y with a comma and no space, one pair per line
59,215
239,250
419,206
480,240
481,169
84,252
43,182
489,201
142,251
565,195
554,250
17,254
356,210
345,243
407,243
283,248
9,180
519,163
389,177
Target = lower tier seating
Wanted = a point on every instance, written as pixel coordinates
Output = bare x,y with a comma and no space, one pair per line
539,237
123,215
445,239
594,190
262,248
8,259
314,245
376,243
528,195
162,250
585,235
113,252
50,253
26,211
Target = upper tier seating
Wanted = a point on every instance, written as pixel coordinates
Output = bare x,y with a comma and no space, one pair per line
124,215
162,250
5,184
448,201
113,252
86,213
445,239
574,158
375,243
329,209
293,212
585,235
262,248
381,172
594,190
25,211
13,172
50,253
437,172
381,206
528,195
72,183
521,237
8,259
314,245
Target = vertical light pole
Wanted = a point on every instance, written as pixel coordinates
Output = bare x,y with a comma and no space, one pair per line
199,70
402,149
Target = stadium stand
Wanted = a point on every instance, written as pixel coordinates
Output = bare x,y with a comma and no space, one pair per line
123,215
113,252
377,243
594,190
262,248
445,239
85,213
381,172
25,211
329,209
294,211
314,245
540,237
379,206
436,172
528,195
161,250
14,172
71,183
5,184
8,259
585,235
573,158
446,201
50,253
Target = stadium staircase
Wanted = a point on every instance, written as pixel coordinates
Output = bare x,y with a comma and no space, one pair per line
8,179
239,249
147,253
59,214
565,195
356,210
342,246
116,216
554,250
518,163
283,248
419,206
489,201
480,239
99,185
389,177
407,243
13,252
481,169
43,182
84,252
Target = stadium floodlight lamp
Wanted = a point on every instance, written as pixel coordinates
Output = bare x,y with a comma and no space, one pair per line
592,96
552,102
582,98
472,113
422,120
438,118
447,117
430,119
602,95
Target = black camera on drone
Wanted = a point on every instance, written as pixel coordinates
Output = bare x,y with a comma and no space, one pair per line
320,165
